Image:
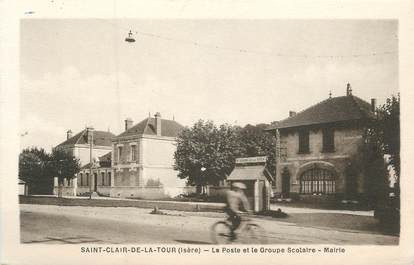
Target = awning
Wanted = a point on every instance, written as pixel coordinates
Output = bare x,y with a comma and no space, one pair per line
249,173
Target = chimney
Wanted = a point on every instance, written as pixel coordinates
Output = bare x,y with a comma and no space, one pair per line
158,123
348,89
373,104
68,134
292,113
128,123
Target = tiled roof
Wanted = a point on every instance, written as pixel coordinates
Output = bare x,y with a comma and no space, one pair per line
106,158
335,109
169,128
100,138
104,161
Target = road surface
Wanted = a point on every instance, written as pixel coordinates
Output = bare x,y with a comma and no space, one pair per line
114,225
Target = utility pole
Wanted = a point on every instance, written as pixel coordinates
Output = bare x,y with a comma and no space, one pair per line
89,131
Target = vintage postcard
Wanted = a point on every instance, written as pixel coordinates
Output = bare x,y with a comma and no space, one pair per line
191,132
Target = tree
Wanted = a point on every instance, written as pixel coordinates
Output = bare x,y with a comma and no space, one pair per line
63,166
382,138
34,170
254,141
369,162
206,153
384,133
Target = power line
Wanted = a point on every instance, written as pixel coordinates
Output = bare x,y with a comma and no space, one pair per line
250,51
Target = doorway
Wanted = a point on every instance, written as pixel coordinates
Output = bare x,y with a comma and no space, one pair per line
95,182
285,183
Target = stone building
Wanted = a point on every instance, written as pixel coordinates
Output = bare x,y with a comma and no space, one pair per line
315,146
143,159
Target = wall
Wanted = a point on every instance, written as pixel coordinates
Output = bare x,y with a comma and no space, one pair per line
66,191
158,151
347,142
83,152
138,192
128,177
126,156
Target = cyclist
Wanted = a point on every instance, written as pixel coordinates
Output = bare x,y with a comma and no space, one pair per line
236,201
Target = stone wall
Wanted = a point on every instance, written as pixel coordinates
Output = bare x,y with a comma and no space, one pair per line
138,192
66,191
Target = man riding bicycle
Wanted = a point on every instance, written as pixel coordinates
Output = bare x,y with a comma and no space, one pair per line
236,202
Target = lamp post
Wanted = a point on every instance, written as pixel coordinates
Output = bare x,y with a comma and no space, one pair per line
89,131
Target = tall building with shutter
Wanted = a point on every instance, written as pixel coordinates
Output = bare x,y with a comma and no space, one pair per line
143,159
315,146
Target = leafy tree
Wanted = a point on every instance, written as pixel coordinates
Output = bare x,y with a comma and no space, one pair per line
34,170
369,162
63,166
386,131
382,138
254,141
205,153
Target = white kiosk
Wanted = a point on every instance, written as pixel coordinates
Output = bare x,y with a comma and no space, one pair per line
253,173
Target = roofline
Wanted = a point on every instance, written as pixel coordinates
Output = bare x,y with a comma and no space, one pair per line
310,124
318,124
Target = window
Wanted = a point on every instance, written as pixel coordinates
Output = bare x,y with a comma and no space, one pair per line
103,178
81,179
109,178
303,141
87,179
328,140
317,181
119,153
133,152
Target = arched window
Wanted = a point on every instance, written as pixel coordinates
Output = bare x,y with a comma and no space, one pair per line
317,181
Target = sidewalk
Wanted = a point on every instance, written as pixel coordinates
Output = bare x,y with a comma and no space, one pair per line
169,205
122,202
291,210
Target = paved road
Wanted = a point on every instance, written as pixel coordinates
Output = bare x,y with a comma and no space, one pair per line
74,224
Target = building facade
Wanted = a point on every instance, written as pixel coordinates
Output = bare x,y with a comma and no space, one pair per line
315,148
101,179
79,146
143,159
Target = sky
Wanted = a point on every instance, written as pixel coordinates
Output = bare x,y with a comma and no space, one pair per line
81,72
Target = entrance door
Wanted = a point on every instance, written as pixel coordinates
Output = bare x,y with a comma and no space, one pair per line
285,183
261,194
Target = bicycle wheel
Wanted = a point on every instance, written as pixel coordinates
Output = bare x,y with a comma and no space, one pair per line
254,234
220,233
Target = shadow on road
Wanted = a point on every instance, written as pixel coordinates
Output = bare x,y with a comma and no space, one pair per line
192,242
65,240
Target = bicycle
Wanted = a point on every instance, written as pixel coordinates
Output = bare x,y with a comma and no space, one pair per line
247,233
